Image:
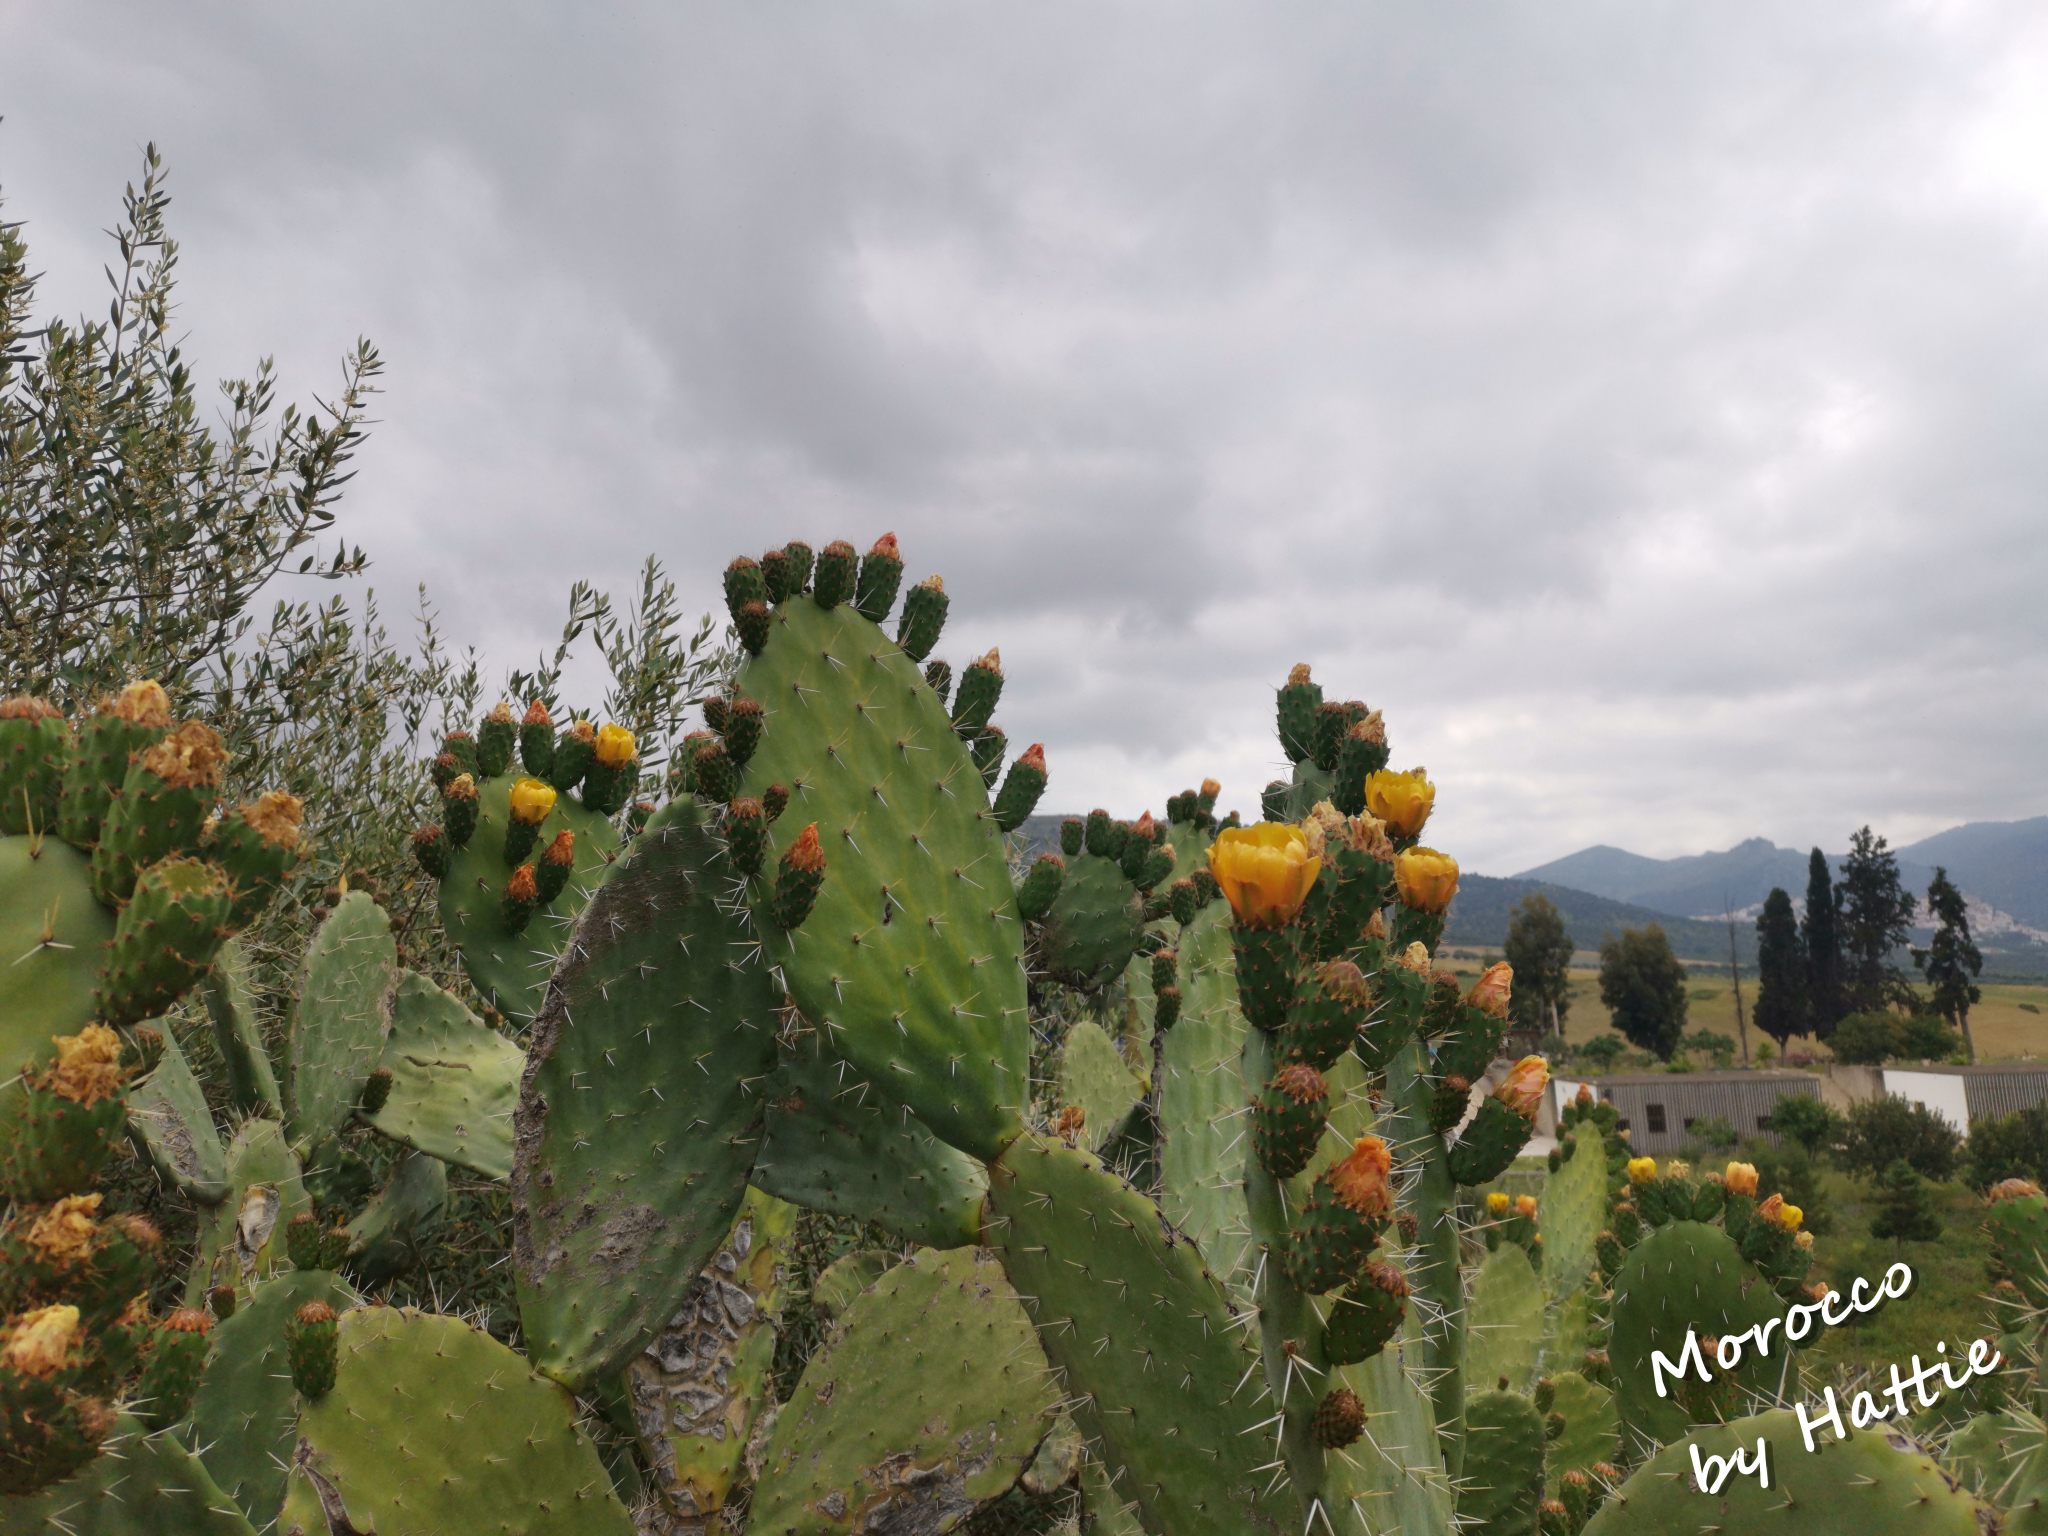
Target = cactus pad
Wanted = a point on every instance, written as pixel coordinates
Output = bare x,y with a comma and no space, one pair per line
834,1143
1079,1245
252,1085
169,1109
387,1236
640,1112
246,1413
500,1450
1095,1078
1095,922
342,1016
931,1401
140,1485
1592,1427
1505,1319
1875,1483
910,964
454,1082
242,1240
510,971
1503,1464
53,938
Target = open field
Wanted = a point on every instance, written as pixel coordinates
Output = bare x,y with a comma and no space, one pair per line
2010,1024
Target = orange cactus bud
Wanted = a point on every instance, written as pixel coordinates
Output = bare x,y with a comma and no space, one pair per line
1523,1090
804,853
1490,993
1363,1181
1772,1210
1525,1205
886,547
1211,788
537,714
1033,757
522,886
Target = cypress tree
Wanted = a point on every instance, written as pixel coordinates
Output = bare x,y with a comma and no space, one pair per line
1874,915
1822,941
1783,1007
1952,962
1905,1207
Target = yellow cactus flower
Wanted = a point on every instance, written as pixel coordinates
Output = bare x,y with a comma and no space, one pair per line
1740,1178
1414,958
1525,1205
1497,1203
1642,1170
1265,872
1489,993
1363,1181
88,1066
1678,1168
615,746
531,802
40,1343
1427,880
1402,800
278,817
1523,1090
1789,1217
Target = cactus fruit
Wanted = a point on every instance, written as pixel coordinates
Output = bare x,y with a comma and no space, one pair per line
658,1009
924,615
836,1143
1021,789
1339,1420
936,1360
101,746
980,686
451,1082
1875,1481
835,574
2016,1221
1287,1119
348,1471
1040,887
1074,1279
1503,1484
1348,1208
1366,1316
746,834
176,1353
35,740
575,751
460,810
258,845
1299,701
881,572
536,741
164,939
59,1126
1325,1020
160,809
911,964
697,1390
311,1345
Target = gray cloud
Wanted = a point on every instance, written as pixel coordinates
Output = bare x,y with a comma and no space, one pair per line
1640,403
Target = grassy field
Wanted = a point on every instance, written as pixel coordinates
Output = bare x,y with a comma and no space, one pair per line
2010,1024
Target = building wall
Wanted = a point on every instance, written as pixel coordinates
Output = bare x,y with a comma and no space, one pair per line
1946,1093
1683,1097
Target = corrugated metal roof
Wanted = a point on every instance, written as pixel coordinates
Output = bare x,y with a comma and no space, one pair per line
1659,1107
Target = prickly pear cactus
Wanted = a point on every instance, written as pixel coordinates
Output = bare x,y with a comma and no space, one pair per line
931,1402
910,965
2017,1222
1506,1320
1874,1481
1095,922
142,1485
369,1460
55,935
1096,1080
241,1242
342,1017
454,1081
1503,1484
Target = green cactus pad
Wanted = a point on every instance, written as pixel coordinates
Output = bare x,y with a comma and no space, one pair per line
1095,1078
1874,1483
388,1235
910,963
1503,1482
165,939
841,1281
1572,1210
1504,1325
53,938
454,1082
1080,1245
696,1391
238,1034
245,1415
1105,1511
242,1240
1592,1425
640,1112
510,971
1204,1139
930,1402
139,1485
2018,1229
499,1451
1686,1275
169,1110
340,1020
835,1143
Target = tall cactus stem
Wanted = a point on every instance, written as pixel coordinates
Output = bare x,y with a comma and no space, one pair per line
1434,1277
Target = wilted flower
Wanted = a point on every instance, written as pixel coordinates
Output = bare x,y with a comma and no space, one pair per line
1489,993
1402,800
1265,872
40,1343
1642,1170
1802,1239
2012,1189
277,816
1427,879
1772,1210
1323,823
143,703
88,1067
64,1233
531,802
1740,1178
1363,1181
1523,1090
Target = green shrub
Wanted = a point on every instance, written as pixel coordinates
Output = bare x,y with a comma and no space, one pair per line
2012,1147
1885,1130
1803,1119
1864,1040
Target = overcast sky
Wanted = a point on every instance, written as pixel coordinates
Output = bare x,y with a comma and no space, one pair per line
1645,404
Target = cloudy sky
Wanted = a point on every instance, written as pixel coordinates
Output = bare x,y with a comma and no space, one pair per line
1646,405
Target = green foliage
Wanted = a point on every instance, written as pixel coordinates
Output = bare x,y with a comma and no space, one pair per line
1884,1130
1713,1132
1876,911
1643,985
2012,1146
1951,962
1784,1005
1540,949
1905,1213
1601,1052
1820,936
1802,1118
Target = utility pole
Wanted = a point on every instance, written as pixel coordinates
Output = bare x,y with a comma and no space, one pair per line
1735,975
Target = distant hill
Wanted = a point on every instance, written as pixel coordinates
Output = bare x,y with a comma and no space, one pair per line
2002,862
1481,911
